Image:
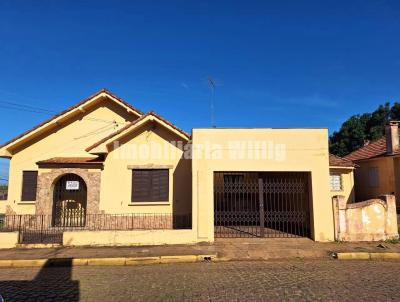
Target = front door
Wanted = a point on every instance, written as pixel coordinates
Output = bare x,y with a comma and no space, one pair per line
69,202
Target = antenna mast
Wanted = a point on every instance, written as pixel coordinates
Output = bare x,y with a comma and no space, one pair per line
211,82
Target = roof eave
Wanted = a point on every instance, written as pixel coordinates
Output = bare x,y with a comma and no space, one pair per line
4,153
102,149
342,167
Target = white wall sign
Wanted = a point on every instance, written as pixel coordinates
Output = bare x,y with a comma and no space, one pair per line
72,185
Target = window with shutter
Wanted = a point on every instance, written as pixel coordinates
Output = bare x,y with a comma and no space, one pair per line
29,185
150,185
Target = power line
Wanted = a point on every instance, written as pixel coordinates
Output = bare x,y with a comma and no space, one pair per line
28,107
79,143
97,131
34,109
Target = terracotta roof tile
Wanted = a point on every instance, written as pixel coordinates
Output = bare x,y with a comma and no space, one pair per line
170,124
337,161
72,108
71,160
374,149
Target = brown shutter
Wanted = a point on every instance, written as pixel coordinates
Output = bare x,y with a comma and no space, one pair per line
141,184
150,185
160,185
29,185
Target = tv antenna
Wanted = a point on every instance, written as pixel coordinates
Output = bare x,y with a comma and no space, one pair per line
211,83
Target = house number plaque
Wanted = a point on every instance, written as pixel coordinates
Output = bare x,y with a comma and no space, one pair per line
72,185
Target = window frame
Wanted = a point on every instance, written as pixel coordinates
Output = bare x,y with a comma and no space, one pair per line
24,194
332,189
154,196
371,177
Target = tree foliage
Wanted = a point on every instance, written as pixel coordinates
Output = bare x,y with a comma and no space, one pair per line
361,128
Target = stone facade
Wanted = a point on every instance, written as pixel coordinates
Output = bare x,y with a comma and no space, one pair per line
47,180
371,220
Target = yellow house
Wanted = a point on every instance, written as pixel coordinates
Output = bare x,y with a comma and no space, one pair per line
103,172
378,171
341,173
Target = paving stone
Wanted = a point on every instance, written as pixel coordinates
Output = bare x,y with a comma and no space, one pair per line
322,280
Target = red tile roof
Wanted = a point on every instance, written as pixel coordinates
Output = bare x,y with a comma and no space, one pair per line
373,149
72,160
88,149
336,161
71,108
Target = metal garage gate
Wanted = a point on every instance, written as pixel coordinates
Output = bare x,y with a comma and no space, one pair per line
261,204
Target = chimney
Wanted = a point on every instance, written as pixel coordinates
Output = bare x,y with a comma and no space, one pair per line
392,137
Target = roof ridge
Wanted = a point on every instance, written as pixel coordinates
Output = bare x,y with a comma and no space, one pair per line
127,126
169,123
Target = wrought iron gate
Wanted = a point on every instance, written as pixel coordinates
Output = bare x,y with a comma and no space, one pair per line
261,204
35,229
70,199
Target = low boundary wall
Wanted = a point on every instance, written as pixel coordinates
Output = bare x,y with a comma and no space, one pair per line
127,238
371,220
8,240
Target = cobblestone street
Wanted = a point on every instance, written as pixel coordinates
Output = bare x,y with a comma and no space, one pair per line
231,281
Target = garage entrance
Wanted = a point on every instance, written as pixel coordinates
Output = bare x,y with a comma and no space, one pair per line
261,204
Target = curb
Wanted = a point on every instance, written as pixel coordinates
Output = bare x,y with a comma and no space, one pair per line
122,261
366,256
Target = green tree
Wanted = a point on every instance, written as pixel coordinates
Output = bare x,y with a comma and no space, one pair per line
359,129
376,124
350,136
395,112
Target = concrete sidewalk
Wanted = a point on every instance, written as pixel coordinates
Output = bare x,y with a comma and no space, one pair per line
293,248
105,252
224,249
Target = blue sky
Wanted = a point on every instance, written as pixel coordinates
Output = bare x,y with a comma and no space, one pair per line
277,63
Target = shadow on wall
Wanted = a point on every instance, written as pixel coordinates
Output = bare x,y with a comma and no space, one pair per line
50,284
352,198
182,188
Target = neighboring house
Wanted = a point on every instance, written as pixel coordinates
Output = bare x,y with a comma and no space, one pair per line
341,173
378,171
103,165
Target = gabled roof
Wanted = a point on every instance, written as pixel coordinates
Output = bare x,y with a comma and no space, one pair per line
132,125
372,150
336,161
78,107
